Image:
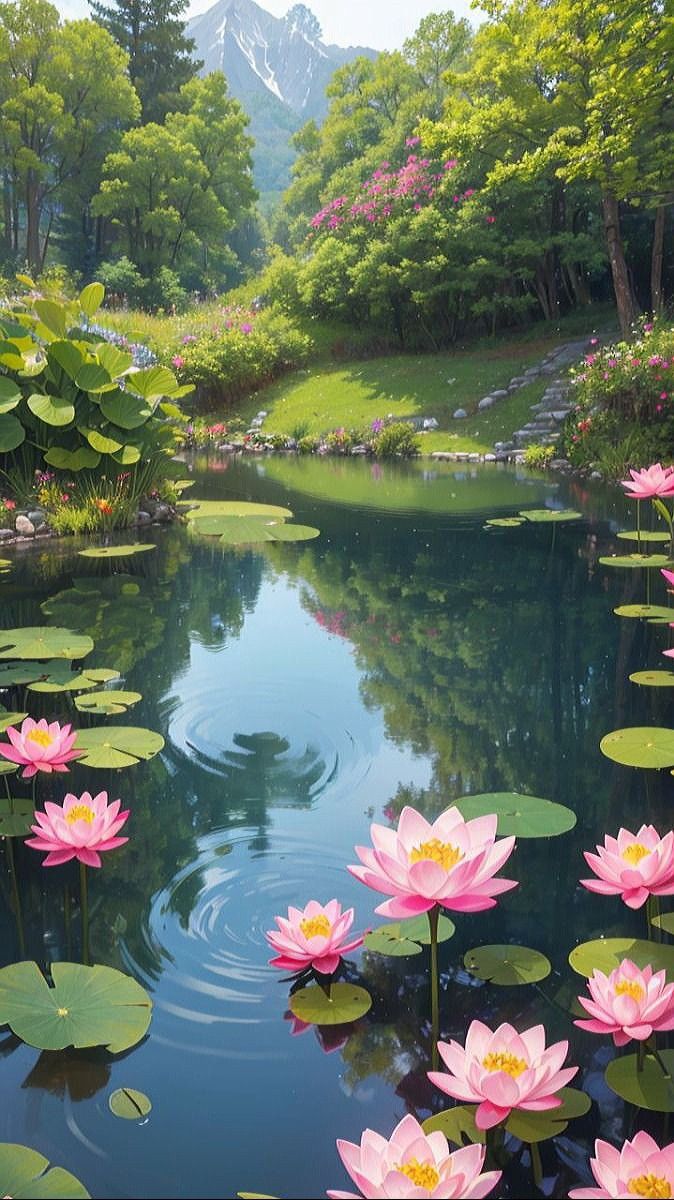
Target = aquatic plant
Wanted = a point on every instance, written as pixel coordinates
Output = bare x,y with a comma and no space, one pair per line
629,1003
315,936
82,828
40,746
650,481
633,866
639,1168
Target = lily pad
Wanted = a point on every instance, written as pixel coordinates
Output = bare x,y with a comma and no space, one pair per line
7,768
635,560
539,1126
87,1006
58,677
345,1003
507,964
503,522
129,1104
26,1175
117,551
244,531
18,672
107,701
646,535
664,921
41,641
545,515
457,1124
407,937
605,954
17,818
653,678
523,816
645,611
235,508
649,1088
117,745
642,746
10,718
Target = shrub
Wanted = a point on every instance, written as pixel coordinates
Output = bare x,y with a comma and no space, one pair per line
538,456
396,441
308,444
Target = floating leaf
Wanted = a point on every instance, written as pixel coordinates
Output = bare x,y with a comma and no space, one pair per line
8,719
12,433
7,768
26,1175
523,816
605,954
235,508
255,1196
117,745
243,531
635,560
58,677
457,1124
407,937
345,1003
16,818
645,611
503,522
107,701
87,1006
41,641
129,1104
664,921
91,298
539,1126
653,678
53,410
419,930
649,1088
117,551
545,515
642,746
646,535
507,964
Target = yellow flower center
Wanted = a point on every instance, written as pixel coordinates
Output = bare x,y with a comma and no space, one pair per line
499,1060
315,926
440,852
40,736
80,812
422,1175
655,1187
633,854
627,987
62,1012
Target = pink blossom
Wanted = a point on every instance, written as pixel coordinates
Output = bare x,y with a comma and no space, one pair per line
315,936
648,326
450,164
412,141
633,866
628,1003
639,1168
490,220
663,395
178,361
40,746
650,481
413,1163
503,1070
81,828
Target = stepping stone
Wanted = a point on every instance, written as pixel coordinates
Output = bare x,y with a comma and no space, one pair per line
485,403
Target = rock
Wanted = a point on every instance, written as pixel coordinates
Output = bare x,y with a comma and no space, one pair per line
443,455
38,517
499,393
358,450
485,402
474,458
490,458
596,475
459,414
430,423
143,518
531,373
255,425
226,447
559,464
5,534
560,414
24,526
517,381
162,512
262,414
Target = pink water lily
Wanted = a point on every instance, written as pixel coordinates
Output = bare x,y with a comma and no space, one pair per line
639,1168
80,828
413,1164
451,862
669,575
502,1070
40,746
628,1003
651,481
315,936
633,866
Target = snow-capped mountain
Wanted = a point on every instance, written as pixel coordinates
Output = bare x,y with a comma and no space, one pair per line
278,67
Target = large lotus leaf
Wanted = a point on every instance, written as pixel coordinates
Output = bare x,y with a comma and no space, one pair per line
644,610
115,361
92,377
52,315
243,531
635,560
539,1126
407,937
292,533
649,1088
87,1006
107,701
59,677
346,1002
16,817
12,433
82,459
117,551
129,1104
124,409
41,641
117,745
8,719
153,383
523,816
653,678
545,515
507,964
457,1124
641,746
605,954
6,768
234,508
10,394
26,1175
646,535
101,441
66,356
503,522
13,673
91,298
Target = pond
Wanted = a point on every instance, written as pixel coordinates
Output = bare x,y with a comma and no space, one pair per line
405,656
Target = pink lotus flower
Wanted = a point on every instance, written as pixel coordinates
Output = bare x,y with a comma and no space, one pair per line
312,937
633,866
413,1163
40,746
651,481
669,575
639,1168
628,1003
80,829
451,862
503,1070
178,361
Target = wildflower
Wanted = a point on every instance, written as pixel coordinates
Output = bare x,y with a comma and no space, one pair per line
178,361
103,506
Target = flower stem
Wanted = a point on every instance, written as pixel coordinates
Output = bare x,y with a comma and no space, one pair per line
641,1055
433,917
15,896
638,528
656,1055
9,795
66,921
536,1164
84,913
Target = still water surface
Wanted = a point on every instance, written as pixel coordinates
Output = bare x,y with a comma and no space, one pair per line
404,656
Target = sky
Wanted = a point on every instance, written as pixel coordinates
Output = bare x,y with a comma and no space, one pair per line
382,24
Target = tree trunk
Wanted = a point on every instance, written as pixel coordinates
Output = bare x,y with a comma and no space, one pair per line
578,284
621,284
33,224
657,252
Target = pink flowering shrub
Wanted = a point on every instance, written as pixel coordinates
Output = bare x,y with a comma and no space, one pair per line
387,192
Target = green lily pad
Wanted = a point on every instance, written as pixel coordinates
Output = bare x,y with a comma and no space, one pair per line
457,1124
129,1104
87,1006
646,535
10,718
116,551
16,820
605,954
58,677
645,611
503,522
635,560
546,515
407,937
18,672
7,768
664,921
653,678
235,508
107,701
539,1126
41,641
649,1088
255,1196
507,964
642,746
345,1003
117,745
26,1175
523,816
244,531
